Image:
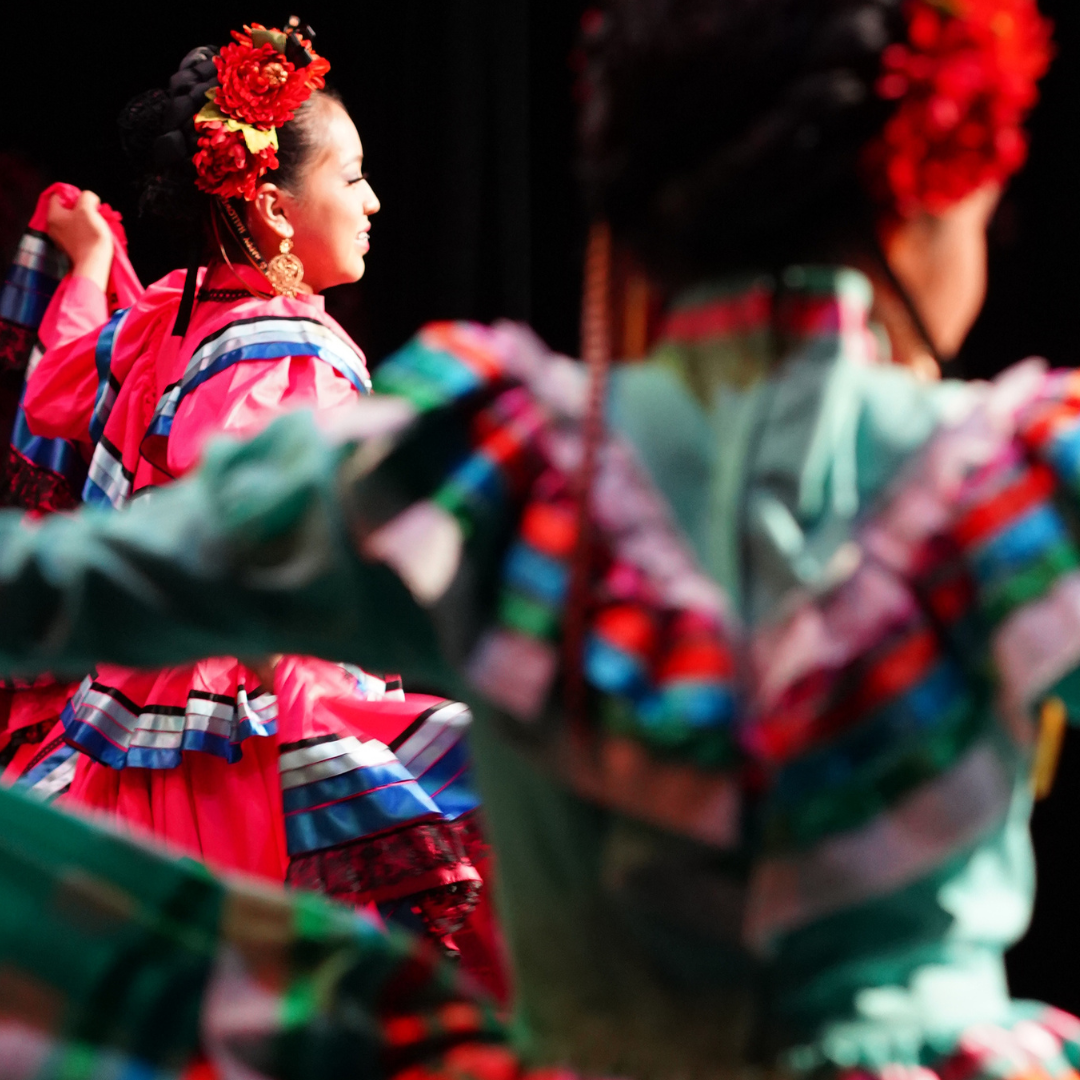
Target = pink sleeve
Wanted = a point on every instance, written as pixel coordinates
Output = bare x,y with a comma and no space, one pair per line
62,386
77,308
244,398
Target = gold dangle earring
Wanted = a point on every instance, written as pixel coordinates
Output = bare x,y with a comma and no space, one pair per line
285,271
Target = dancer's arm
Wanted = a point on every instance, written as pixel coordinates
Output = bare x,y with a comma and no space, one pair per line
250,556
62,386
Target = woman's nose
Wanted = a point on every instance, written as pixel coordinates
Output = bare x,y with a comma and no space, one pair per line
371,200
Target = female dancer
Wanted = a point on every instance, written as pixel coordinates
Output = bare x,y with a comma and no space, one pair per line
757,751
303,770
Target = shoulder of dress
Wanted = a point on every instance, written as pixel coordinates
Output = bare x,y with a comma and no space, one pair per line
167,289
449,361
225,333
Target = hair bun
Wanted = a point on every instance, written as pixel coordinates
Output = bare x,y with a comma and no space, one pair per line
157,133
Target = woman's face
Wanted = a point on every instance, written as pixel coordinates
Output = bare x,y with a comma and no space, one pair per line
328,216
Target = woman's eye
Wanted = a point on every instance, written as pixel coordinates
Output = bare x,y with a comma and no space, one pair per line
357,179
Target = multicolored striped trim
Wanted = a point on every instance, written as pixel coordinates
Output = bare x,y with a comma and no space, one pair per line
679,691
31,280
108,481
259,338
105,724
813,302
51,770
869,696
482,482
445,362
108,385
337,790
882,694
434,750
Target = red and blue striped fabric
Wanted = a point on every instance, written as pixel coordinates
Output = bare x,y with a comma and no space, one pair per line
338,789
40,473
107,725
434,750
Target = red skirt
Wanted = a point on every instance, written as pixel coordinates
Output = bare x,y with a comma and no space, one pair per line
332,780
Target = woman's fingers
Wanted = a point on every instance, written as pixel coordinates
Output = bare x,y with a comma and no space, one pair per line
83,235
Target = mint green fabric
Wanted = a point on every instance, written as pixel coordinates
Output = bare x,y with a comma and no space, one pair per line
631,946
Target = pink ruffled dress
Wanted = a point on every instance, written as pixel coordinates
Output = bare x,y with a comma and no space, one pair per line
42,306
331,779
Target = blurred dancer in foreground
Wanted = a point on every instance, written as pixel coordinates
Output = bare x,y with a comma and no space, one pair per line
756,733
299,770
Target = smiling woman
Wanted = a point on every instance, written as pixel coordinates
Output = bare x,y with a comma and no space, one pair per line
323,208
289,768
275,184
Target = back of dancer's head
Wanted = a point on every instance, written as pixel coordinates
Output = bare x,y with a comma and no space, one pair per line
722,136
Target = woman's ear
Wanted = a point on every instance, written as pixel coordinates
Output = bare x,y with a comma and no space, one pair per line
270,207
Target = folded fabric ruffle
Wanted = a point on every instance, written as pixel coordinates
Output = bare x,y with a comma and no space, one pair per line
123,717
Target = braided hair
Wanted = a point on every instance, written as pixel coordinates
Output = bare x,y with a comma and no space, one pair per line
157,132
722,137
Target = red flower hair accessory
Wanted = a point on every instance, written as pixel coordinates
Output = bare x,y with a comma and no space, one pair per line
264,76
964,80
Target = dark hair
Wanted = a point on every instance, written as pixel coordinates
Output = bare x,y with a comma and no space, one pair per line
157,131
721,136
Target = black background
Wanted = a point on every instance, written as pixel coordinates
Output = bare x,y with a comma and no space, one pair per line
466,112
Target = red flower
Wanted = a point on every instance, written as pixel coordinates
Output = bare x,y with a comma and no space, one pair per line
259,86
224,164
964,81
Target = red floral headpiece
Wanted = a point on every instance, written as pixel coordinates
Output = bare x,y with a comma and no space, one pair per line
263,78
964,80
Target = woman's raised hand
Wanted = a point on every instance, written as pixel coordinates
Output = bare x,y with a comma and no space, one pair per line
84,236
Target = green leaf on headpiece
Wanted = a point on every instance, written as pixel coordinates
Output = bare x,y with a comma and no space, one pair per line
268,37
256,140
209,112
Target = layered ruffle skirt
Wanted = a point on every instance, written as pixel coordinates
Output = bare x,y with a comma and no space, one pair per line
332,780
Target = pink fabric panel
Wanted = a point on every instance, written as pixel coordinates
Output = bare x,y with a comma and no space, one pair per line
61,390
245,398
26,707
226,815
317,697
83,308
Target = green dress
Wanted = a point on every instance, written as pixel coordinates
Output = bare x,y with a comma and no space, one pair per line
827,602
117,963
